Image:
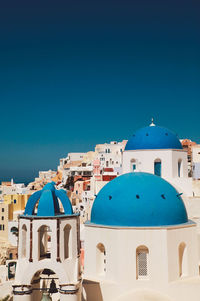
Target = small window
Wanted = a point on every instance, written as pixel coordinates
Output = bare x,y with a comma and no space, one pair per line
101,259
157,167
15,201
3,227
180,168
0,227
2,209
183,268
142,253
2,218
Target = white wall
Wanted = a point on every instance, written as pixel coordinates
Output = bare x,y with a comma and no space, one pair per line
121,244
68,270
145,161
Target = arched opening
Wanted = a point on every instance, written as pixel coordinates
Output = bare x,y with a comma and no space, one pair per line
183,268
44,242
67,241
24,235
180,168
142,257
45,283
101,259
158,167
14,231
133,165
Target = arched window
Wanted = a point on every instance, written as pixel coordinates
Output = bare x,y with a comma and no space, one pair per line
67,241
44,242
157,167
24,235
100,259
180,168
133,165
142,254
183,269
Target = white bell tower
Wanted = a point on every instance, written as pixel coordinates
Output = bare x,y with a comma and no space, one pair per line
48,265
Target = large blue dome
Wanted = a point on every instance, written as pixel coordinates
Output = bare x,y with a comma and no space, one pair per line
153,137
45,202
138,200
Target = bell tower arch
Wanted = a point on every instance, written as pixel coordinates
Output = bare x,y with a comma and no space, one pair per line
48,248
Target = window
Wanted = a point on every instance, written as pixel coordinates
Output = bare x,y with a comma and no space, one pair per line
133,165
15,201
180,169
182,250
24,234
2,209
2,218
0,227
44,242
67,241
3,227
157,167
100,259
142,253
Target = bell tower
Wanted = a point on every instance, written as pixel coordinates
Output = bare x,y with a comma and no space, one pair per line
48,249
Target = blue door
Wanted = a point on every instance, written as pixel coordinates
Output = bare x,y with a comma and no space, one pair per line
157,169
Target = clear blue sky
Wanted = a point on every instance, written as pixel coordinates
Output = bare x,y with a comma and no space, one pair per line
77,73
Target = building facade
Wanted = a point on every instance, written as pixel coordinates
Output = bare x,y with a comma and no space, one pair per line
139,244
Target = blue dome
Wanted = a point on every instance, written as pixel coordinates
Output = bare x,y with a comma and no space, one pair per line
138,200
48,204
153,137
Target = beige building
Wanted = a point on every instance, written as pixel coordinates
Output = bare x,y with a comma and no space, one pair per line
4,218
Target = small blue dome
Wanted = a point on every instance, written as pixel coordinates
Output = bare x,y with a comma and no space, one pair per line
48,204
153,137
138,200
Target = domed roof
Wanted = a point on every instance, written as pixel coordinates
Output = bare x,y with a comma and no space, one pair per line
48,204
138,200
153,137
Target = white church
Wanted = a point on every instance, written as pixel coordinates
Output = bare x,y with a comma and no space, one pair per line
139,244
157,150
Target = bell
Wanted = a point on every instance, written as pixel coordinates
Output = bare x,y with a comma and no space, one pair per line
53,288
46,297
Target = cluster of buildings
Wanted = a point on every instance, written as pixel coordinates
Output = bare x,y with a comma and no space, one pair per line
119,223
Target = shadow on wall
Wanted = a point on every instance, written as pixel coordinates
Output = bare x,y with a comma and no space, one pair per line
91,291
144,295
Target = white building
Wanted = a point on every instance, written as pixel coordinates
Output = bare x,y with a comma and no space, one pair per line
110,155
140,244
196,161
13,188
49,249
71,157
157,150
